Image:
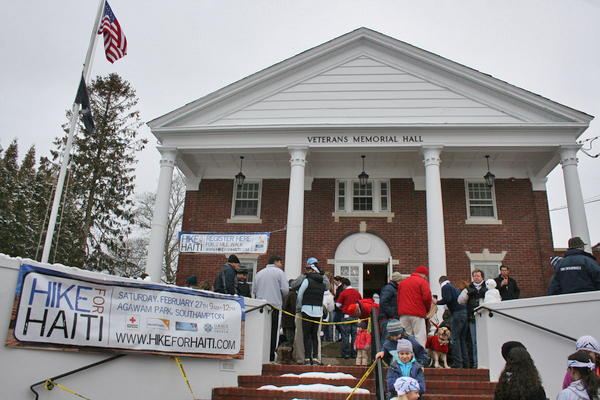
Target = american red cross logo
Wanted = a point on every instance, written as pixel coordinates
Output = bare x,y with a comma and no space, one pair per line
132,319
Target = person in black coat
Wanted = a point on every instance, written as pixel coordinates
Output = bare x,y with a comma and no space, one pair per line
472,296
577,272
507,286
243,286
388,304
226,282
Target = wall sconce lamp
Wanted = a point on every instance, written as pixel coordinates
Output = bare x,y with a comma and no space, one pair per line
363,177
489,177
239,178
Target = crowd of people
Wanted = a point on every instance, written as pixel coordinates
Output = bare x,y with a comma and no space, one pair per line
318,305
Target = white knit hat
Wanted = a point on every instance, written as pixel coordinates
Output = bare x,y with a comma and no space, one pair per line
405,384
587,343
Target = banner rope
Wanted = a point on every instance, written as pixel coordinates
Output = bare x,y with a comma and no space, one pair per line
184,375
50,385
322,323
364,377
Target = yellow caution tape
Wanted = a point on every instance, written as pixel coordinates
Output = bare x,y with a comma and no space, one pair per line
322,323
364,377
50,385
184,376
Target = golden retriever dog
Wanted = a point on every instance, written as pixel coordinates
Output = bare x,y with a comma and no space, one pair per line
437,347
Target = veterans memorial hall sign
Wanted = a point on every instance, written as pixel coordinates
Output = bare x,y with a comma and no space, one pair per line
230,243
58,309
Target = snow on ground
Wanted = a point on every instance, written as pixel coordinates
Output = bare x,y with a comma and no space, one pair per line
317,387
323,375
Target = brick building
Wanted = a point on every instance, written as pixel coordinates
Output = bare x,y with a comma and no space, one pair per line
422,127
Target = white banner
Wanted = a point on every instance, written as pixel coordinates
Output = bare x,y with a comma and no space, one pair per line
229,243
63,309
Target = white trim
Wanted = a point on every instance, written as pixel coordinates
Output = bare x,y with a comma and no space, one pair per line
362,214
240,220
486,256
483,221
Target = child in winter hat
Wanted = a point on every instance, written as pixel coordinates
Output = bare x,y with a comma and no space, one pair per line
586,344
404,364
407,388
362,344
395,333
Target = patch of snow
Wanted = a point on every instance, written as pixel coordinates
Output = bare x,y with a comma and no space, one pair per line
317,387
323,375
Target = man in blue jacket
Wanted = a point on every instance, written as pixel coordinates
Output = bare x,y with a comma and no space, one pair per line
577,272
388,305
458,323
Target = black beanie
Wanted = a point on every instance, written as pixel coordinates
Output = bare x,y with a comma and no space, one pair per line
508,346
192,280
233,259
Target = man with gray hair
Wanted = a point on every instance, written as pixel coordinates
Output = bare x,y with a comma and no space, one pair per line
271,285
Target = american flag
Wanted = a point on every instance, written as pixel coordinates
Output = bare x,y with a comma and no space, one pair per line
115,43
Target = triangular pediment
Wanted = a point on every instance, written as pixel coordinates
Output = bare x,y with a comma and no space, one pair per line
366,78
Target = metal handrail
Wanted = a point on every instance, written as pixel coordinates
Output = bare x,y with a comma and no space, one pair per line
492,311
380,390
74,372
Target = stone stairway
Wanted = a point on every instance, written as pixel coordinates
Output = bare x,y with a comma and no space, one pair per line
441,384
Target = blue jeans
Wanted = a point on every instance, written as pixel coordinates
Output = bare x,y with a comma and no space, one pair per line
473,328
348,337
337,317
458,338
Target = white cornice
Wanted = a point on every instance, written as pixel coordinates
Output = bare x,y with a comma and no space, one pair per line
369,39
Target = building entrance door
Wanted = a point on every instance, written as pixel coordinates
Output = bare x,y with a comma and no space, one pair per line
374,278
365,259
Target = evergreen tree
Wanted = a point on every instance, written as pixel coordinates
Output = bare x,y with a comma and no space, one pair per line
102,174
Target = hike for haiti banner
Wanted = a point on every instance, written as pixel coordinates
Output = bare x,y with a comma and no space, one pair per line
226,243
69,309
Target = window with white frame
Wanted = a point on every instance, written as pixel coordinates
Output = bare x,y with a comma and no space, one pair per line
490,269
351,197
481,202
246,200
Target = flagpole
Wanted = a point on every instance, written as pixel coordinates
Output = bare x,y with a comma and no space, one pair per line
73,125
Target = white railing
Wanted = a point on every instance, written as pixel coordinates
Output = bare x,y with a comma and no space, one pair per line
572,315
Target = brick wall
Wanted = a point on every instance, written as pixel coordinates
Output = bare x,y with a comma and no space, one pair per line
524,233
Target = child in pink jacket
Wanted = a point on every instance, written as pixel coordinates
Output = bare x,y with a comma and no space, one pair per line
362,344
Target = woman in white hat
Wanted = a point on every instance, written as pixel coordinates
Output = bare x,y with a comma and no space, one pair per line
588,345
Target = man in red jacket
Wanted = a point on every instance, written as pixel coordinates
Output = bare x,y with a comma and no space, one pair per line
414,301
347,302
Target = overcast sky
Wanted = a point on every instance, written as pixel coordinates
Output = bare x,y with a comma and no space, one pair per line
181,50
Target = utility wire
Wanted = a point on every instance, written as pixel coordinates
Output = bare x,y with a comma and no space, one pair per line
587,201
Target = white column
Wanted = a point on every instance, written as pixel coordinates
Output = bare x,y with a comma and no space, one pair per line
158,234
436,242
295,219
575,205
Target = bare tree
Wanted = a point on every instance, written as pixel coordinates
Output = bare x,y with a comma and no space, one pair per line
143,213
